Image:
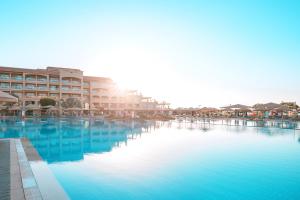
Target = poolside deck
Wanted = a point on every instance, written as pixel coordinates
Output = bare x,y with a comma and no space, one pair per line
4,169
22,180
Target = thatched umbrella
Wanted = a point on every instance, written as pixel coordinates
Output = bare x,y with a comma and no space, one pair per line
208,109
283,108
47,107
5,97
53,108
32,107
266,107
3,107
236,107
73,109
15,107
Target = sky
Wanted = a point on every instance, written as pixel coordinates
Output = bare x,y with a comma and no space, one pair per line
190,53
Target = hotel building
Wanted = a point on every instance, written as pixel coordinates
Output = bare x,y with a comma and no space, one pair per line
95,93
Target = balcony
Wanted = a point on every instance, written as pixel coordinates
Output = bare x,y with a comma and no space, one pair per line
53,88
66,82
54,80
29,95
76,82
4,77
17,78
30,87
95,92
42,88
76,89
30,79
4,86
42,80
102,85
53,95
65,89
17,87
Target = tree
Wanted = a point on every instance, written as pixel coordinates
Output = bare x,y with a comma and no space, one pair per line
47,102
71,103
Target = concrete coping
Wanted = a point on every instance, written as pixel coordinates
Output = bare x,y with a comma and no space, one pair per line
31,180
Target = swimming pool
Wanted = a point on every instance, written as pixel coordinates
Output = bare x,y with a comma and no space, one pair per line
171,160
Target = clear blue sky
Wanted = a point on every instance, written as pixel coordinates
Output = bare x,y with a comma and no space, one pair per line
191,53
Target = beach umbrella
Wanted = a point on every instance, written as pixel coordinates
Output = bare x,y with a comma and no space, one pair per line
5,97
73,109
2,107
48,107
15,107
283,108
53,108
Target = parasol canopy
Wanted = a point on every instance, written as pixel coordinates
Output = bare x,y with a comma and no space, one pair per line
5,97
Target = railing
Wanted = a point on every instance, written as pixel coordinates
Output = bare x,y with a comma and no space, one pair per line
65,82
54,89
102,85
4,86
4,77
76,82
30,79
42,80
29,95
17,78
17,87
54,80
42,88
30,87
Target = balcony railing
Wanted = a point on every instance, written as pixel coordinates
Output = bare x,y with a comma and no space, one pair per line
30,79
54,80
42,88
4,86
30,87
53,89
76,82
42,80
30,95
4,77
17,78
16,87
66,82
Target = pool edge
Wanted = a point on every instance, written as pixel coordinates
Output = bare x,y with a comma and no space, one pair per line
27,182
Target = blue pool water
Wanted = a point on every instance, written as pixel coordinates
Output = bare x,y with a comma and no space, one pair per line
171,160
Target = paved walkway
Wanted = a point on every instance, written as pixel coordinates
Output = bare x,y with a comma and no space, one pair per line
17,177
4,169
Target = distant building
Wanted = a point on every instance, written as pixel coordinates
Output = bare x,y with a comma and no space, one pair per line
30,85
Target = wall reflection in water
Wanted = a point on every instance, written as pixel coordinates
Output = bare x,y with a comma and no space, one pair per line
69,140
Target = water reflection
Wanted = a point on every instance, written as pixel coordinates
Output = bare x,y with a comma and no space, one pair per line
70,139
